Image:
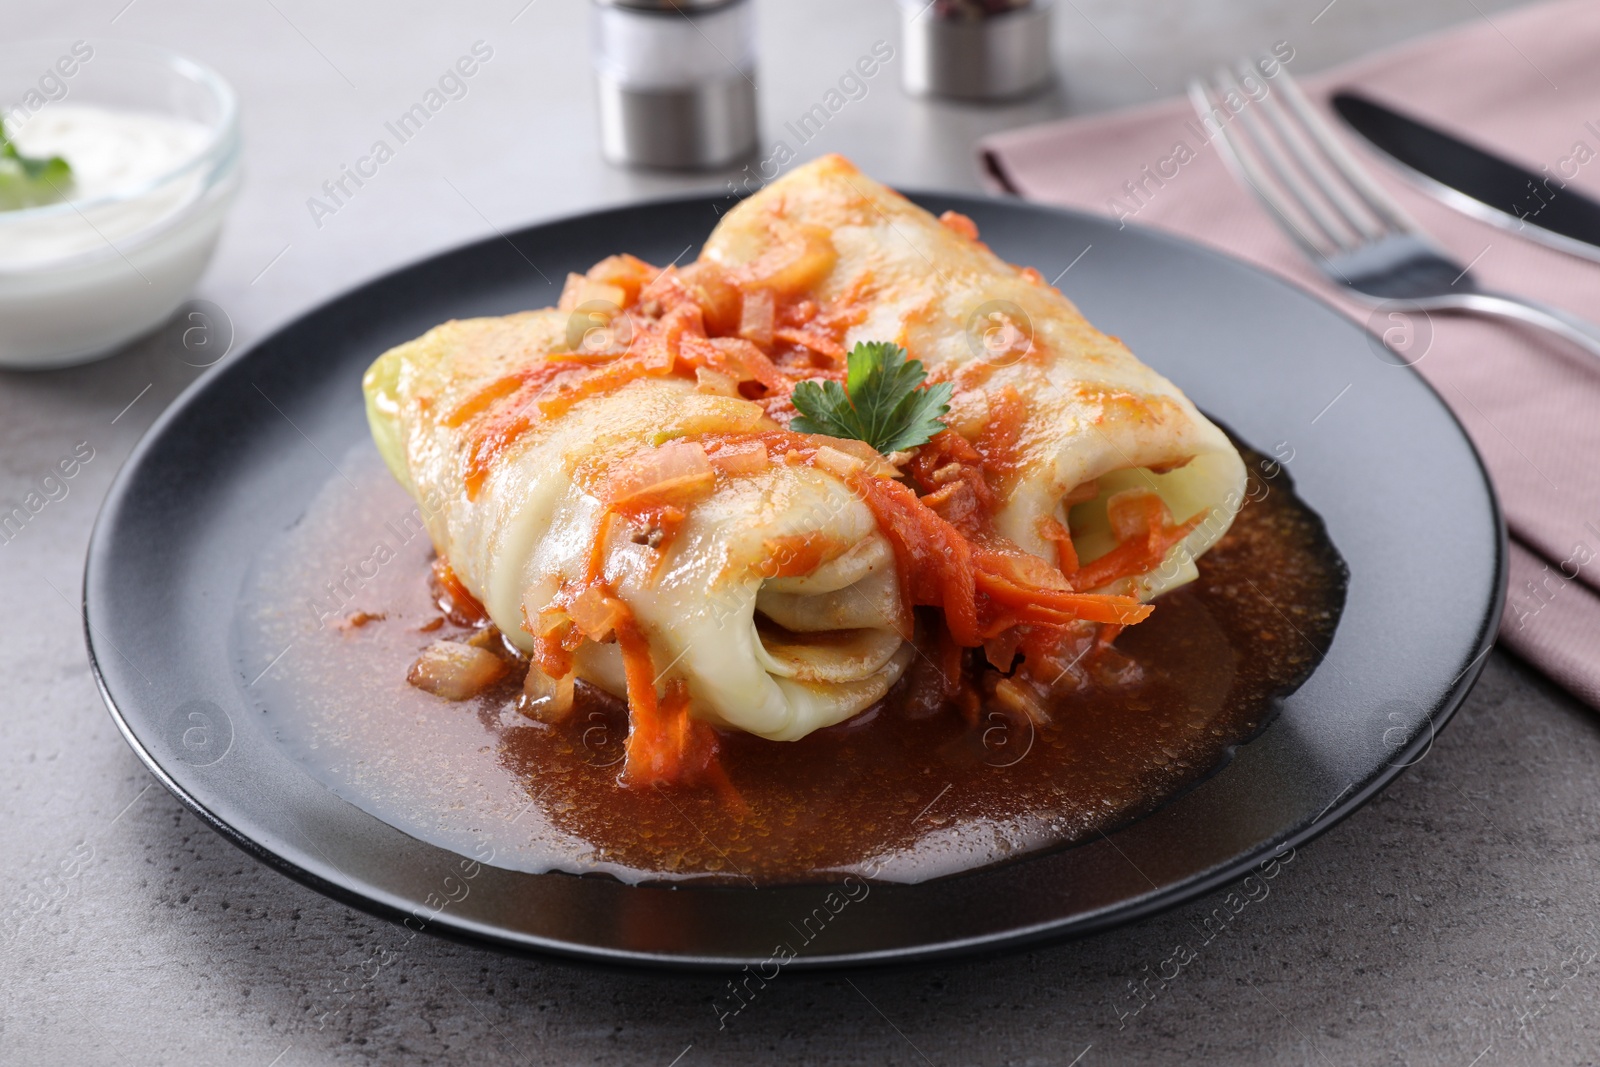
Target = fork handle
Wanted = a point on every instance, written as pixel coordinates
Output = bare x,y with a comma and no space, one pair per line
1579,331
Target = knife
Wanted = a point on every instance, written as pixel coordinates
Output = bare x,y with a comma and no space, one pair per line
1542,206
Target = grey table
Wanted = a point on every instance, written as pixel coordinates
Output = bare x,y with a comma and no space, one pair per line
1449,922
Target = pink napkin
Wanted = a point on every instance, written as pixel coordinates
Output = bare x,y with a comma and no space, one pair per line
1526,83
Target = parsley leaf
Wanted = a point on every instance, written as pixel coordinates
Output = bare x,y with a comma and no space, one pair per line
27,182
881,401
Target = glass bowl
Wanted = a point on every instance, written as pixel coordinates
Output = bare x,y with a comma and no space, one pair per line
80,277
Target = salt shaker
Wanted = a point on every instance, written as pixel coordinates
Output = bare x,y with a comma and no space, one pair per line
975,49
676,81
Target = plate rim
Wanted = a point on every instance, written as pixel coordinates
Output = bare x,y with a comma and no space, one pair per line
369,899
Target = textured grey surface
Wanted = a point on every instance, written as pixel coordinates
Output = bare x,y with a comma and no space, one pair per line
1452,921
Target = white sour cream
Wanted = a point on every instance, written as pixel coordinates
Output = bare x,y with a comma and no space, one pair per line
81,277
112,154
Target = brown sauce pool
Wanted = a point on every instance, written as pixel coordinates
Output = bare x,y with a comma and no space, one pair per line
894,794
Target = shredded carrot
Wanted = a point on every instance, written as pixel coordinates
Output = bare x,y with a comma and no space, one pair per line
1143,551
950,474
650,493
849,308
816,342
1066,552
478,402
933,558
792,555
608,379
1033,603
1002,434
666,746
597,550
503,419
646,746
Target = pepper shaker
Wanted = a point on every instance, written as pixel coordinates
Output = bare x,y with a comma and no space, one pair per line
676,81
975,49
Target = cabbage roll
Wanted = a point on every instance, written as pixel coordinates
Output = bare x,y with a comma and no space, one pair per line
1098,462
764,586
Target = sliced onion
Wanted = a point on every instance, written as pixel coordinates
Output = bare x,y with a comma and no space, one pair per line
1017,696
597,614
580,290
1001,651
552,621
545,698
843,456
716,414
744,457
628,273
715,382
714,291
804,257
675,473
837,462
757,316
744,360
570,291
455,671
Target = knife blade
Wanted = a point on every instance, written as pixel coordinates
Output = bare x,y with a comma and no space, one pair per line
1542,206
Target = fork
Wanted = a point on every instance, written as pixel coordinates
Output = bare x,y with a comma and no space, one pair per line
1347,225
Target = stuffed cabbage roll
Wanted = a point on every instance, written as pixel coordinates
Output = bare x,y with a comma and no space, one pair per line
651,521
1098,462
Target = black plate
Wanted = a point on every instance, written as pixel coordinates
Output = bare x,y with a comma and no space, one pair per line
224,471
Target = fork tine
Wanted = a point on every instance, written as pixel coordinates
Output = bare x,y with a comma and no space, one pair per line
1372,194
1291,132
1250,173
1288,178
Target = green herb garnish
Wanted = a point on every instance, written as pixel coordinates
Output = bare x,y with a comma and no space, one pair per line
881,401
29,182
